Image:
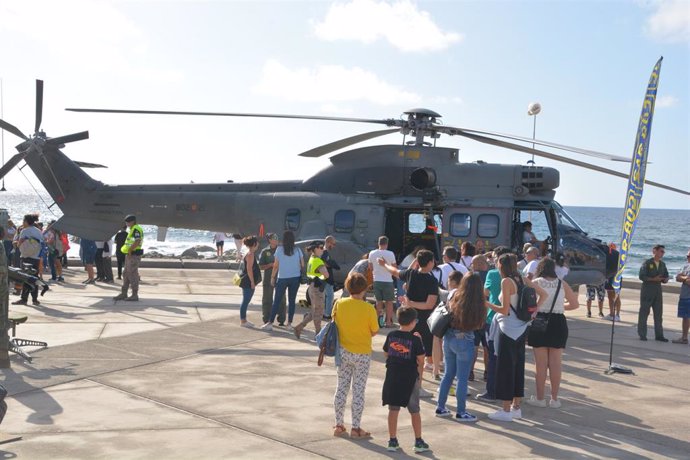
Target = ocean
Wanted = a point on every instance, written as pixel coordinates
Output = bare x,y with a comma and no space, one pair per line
663,226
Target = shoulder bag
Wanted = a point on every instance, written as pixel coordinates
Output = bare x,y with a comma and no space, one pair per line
541,323
439,320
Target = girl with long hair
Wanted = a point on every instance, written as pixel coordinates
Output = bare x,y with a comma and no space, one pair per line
287,271
468,308
251,276
548,345
510,343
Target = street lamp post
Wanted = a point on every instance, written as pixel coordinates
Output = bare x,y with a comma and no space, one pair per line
533,110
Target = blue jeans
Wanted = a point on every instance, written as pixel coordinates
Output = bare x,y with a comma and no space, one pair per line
458,354
328,306
247,294
282,284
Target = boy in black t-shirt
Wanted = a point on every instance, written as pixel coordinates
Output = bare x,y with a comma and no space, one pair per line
404,364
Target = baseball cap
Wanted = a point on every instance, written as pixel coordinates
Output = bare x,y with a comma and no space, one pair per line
272,236
130,218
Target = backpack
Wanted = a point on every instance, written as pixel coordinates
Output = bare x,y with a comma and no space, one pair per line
327,341
526,301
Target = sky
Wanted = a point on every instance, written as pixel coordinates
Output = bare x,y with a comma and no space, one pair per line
479,64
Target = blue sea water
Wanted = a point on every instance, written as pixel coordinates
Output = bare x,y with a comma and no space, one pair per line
663,226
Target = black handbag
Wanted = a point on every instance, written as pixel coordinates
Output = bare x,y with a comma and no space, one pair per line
540,324
439,320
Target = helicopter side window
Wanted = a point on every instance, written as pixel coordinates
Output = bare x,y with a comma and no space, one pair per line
344,221
487,225
292,218
460,225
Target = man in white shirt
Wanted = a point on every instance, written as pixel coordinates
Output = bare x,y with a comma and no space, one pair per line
450,255
383,281
532,258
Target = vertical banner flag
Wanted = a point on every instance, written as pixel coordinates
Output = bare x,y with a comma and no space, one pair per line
638,167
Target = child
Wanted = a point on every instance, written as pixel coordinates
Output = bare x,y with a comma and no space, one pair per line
404,364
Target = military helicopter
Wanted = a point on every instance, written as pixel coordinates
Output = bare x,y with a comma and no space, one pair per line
416,193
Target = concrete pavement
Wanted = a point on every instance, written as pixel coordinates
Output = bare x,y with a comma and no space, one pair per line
174,376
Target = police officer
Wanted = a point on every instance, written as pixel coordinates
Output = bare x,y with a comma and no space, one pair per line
317,274
133,250
653,273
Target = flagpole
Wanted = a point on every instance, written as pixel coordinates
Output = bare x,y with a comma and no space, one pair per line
633,196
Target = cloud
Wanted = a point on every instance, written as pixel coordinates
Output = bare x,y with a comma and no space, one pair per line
666,101
400,22
83,34
670,23
329,84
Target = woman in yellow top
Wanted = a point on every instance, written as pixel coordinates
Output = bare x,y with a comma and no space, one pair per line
357,323
317,273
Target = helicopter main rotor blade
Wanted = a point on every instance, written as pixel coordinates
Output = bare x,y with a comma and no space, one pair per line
68,138
389,122
12,129
11,163
342,143
39,105
84,164
541,153
606,156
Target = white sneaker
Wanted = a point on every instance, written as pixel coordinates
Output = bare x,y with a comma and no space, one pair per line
533,401
429,367
289,327
425,393
609,318
502,416
555,403
516,413
248,324
618,318
267,327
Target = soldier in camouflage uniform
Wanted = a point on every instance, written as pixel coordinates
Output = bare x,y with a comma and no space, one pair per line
652,273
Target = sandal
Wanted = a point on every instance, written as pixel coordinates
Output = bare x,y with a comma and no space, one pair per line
359,433
339,430
681,341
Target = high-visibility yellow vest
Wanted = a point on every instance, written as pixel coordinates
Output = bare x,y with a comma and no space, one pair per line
131,237
313,267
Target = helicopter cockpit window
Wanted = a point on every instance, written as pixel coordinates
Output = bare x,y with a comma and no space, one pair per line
460,225
344,221
562,217
292,218
417,223
487,226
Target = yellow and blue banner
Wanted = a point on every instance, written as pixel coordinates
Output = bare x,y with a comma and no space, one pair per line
638,167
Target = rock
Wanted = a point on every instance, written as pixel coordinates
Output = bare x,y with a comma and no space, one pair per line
190,254
202,248
154,255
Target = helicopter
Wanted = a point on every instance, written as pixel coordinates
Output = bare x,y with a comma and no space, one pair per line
416,193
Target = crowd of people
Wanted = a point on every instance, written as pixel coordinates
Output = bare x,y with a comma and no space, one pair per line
40,248
480,290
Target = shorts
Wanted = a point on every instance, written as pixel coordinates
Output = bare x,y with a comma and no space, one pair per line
480,337
598,290
556,335
88,254
684,308
413,404
384,291
219,244
608,285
